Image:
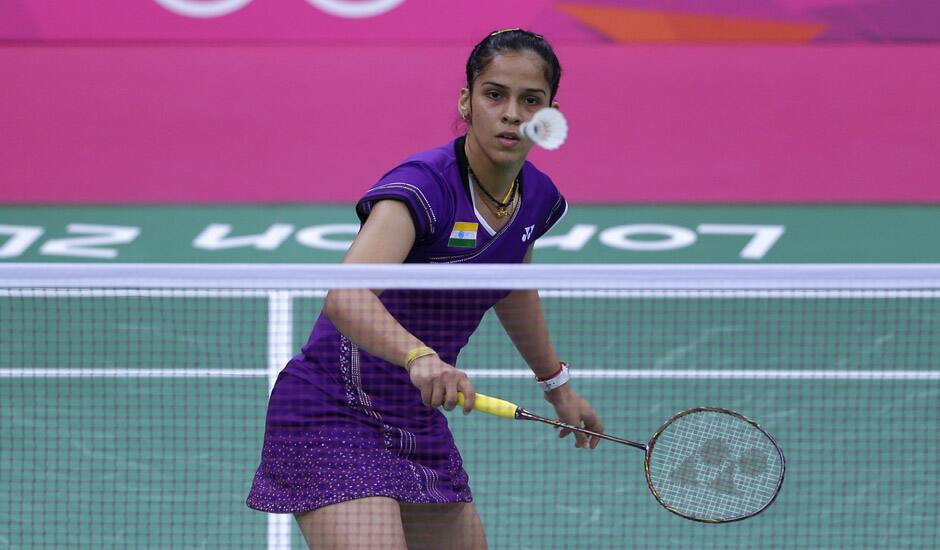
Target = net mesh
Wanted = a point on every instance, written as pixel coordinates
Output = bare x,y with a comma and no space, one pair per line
133,402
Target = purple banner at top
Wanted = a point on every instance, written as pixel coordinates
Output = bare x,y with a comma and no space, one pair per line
460,22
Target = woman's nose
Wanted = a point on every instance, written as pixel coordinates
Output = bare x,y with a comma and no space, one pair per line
511,115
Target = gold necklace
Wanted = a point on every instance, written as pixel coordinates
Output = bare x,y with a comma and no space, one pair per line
501,211
502,206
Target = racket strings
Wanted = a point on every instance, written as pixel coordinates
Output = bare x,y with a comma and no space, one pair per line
714,466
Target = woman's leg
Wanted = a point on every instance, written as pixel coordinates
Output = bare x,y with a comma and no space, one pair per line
443,526
361,524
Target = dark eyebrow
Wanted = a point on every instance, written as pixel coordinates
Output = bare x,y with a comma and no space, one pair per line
501,86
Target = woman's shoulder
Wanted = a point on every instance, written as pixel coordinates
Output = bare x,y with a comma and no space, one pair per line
439,161
536,180
425,182
433,171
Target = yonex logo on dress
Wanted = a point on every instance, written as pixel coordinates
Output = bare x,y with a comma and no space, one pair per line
528,233
350,9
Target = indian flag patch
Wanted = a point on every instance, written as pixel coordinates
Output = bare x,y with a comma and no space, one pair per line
464,235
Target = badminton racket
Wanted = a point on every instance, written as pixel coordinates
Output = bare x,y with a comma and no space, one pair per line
706,464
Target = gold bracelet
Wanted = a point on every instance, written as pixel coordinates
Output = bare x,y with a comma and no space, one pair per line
417,352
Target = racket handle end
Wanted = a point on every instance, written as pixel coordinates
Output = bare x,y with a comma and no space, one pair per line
492,405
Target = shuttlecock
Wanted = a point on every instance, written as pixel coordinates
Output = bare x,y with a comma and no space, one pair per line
547,129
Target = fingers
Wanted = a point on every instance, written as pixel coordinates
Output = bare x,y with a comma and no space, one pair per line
454,386
439,384
572,418
438,392
583,416
450,395
580,440
593,423
455,381
426,392
469,394
562,432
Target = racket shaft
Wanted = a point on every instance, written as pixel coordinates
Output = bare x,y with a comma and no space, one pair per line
505,409
526,415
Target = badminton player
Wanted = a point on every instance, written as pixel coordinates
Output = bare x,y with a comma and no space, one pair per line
355,445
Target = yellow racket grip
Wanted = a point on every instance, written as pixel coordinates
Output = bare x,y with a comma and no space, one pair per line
491,405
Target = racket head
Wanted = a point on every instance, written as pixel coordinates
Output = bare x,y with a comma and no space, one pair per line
714,465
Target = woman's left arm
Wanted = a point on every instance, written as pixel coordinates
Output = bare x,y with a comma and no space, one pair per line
521,315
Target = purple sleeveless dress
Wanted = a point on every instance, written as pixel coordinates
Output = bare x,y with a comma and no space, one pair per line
342,424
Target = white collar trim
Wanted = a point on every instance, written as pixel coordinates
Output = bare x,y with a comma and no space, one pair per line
473,199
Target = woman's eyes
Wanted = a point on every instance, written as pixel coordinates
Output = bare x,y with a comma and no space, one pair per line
528,100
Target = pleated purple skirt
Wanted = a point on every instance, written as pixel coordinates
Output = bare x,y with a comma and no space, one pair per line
353,428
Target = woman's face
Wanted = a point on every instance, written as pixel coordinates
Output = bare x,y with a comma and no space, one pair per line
505,94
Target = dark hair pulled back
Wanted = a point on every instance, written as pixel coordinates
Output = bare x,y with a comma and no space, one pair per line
514,40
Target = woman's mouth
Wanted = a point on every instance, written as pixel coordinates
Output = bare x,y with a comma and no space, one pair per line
508,139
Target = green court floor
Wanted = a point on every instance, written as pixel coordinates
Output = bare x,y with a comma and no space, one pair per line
305,233
96,455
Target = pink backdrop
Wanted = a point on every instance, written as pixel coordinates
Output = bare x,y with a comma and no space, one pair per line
461,22
314,123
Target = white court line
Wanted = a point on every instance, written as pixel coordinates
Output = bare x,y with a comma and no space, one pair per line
280,350
722,374
717,374
769,293
152,293
133,293
133,373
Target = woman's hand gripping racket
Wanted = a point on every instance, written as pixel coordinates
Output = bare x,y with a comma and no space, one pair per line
705,464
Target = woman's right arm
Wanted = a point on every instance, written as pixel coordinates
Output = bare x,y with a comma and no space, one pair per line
387,237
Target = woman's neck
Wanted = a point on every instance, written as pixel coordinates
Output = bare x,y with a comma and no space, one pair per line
497,179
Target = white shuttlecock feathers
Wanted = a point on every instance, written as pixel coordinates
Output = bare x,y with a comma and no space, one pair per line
547,129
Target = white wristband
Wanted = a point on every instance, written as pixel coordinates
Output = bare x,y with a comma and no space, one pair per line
556,381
